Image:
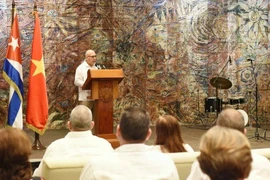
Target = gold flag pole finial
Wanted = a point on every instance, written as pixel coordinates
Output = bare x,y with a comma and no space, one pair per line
35,8
12,12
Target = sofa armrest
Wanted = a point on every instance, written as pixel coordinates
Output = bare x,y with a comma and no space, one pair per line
263,151
183,162
63,168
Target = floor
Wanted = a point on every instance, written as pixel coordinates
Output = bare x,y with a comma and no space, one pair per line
191,134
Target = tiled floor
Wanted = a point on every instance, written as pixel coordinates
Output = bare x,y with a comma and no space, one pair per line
191,135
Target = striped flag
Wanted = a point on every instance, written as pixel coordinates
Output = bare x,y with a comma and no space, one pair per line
12,73
37,104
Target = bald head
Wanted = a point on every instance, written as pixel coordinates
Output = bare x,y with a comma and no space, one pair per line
90,52
80,118
90,57
231,118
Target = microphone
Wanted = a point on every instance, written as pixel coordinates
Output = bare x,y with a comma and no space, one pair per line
251,60
230,60
100,66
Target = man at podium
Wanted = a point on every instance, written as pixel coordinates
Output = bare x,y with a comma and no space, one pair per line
81,76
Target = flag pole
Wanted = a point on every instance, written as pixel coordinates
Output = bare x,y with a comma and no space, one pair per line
12,12
37,144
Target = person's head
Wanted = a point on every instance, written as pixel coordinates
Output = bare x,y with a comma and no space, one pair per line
134,126
168,134
90,57
80,119
231,118
225,154
15,150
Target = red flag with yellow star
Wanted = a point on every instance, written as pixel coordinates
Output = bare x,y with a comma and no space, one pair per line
37,105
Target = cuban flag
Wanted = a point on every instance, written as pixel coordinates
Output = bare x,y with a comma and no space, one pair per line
12,73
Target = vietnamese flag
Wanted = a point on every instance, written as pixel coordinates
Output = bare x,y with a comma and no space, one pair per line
37,104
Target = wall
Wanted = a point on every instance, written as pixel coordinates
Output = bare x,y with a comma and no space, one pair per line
169,51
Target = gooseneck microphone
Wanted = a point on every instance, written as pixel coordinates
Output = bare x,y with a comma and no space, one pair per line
230,60
100,66
251,60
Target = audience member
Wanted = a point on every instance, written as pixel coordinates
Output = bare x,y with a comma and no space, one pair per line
134,159
225,154
168,136
260,167
15,150
81,76
79,141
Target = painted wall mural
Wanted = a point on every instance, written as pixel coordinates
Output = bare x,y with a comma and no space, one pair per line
169,50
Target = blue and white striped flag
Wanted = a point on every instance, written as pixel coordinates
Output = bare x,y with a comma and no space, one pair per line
12,73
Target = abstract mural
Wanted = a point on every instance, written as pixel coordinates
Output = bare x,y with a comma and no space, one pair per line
169,51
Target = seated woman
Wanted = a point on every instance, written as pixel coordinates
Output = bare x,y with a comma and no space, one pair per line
15,150
168,136
225,154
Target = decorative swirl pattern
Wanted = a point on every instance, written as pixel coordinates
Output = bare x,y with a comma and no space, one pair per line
169,49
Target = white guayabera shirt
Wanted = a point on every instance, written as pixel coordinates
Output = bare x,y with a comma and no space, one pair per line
75,144
131,162
80,78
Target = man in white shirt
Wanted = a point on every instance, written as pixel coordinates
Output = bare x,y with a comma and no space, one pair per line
234,119
79,141
81,76
133,160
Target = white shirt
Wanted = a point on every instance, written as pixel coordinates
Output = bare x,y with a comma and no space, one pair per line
80,78
260,169
75,144
131,162
186,146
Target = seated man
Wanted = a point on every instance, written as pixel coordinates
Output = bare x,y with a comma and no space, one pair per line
79,141
260,167
133,159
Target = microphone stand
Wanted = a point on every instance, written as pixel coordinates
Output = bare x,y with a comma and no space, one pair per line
256,134
198,114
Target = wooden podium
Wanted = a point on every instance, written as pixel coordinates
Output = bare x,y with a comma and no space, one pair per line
103,84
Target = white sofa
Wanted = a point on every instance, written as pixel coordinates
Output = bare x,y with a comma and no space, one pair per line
70,168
